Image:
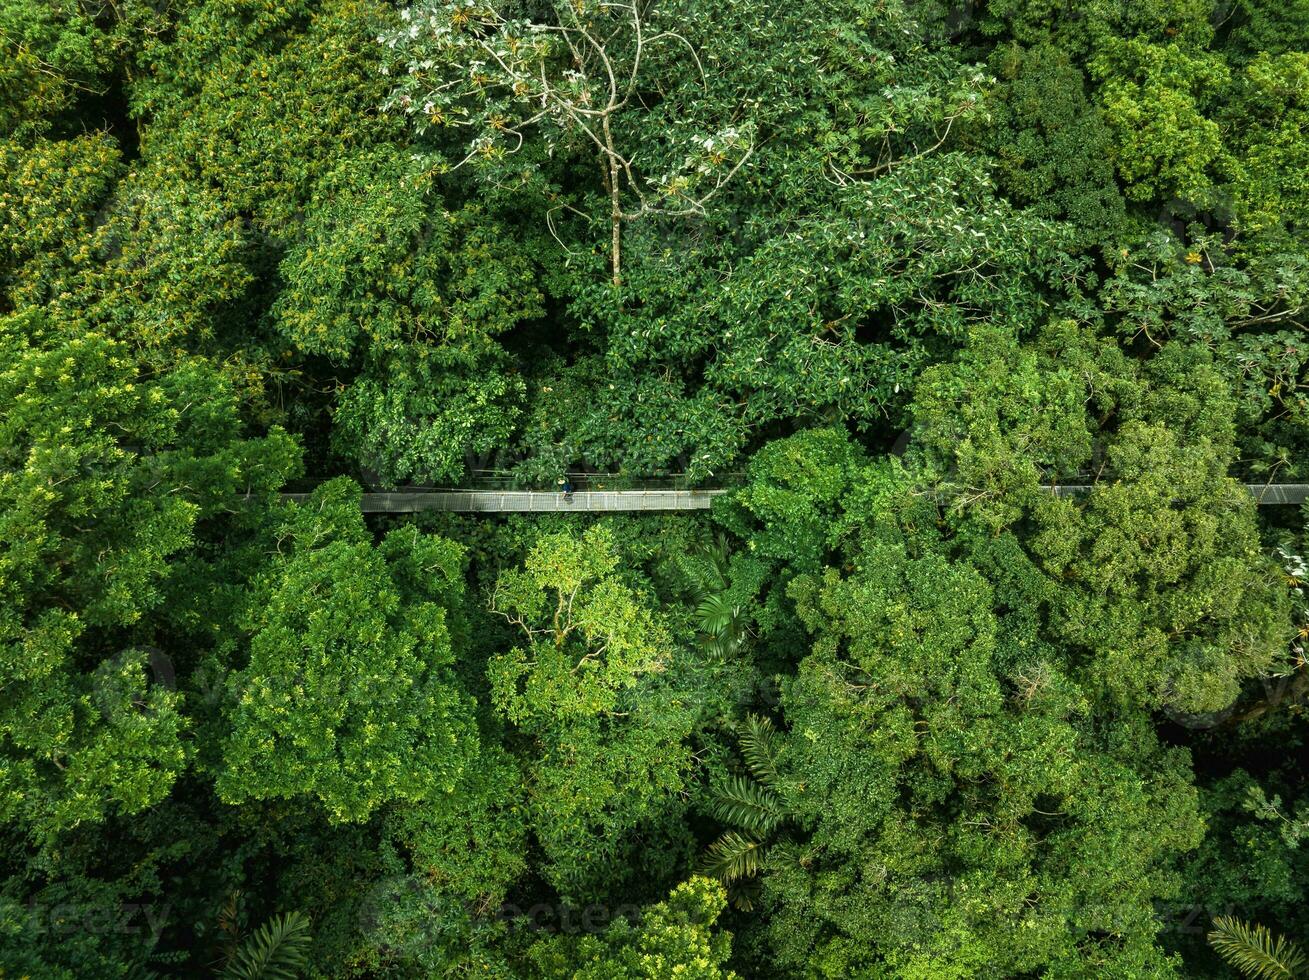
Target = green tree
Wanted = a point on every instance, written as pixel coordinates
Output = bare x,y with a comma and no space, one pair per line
1163,586
579,74
675,938
794,491
1170,595
607,756
1080,25
105,471
419,296
1264,126
752,804
348,695
1156,101
51,53
959,810
49,193
1051,145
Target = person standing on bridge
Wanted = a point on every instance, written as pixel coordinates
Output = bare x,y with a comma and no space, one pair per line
566,487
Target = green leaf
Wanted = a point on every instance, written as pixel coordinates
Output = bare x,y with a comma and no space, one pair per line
733,856
1255,951
717,615
278,951
756,734
748,805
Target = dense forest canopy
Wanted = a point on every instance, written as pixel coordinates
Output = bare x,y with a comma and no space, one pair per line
883,269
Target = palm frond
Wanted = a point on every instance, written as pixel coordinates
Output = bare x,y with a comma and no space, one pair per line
229,922
719,648
719,555
1254,951
743,894
733,857
706,566
279,950
756,736
748,805
716,615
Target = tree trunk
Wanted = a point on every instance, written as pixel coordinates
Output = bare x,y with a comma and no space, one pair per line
615,208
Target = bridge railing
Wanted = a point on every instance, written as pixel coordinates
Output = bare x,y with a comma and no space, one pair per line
581,480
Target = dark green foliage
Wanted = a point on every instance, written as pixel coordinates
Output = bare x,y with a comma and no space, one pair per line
754,803
1255,26
734,856
910,725
1052,147
885,271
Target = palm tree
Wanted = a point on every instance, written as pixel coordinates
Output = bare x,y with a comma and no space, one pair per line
723,625
755,804
1255,952
277,950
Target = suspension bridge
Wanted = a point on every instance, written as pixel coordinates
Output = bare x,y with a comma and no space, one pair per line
497,501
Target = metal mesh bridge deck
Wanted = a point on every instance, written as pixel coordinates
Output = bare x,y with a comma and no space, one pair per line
1265,494
530,501
602,501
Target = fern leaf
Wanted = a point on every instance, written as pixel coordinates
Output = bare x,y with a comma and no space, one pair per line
1254,951
279,950
756,735
748,805
733,857
706,568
